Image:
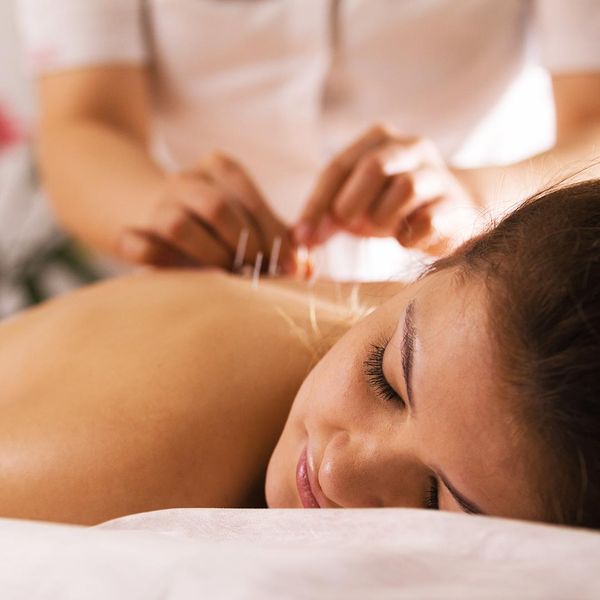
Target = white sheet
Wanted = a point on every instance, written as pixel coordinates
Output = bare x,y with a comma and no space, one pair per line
267,554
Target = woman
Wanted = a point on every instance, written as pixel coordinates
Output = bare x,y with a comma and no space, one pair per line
475,388
136,95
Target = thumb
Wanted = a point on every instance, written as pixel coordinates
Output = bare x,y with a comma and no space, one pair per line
316,224
310,229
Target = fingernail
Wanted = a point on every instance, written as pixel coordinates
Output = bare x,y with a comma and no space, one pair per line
303,233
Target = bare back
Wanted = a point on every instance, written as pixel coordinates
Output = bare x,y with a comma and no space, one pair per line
157,390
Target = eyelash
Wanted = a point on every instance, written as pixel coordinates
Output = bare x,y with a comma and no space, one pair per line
373,368
431,496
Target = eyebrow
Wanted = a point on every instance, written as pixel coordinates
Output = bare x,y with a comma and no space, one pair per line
408,346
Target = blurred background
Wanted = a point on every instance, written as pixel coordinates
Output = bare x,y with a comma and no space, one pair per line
33,250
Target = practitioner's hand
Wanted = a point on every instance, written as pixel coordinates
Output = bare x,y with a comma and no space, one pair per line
386,185
199,218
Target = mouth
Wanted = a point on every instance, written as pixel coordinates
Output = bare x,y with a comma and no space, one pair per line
305,490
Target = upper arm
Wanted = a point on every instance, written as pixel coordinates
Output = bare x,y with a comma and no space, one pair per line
116,96
577,100
90,58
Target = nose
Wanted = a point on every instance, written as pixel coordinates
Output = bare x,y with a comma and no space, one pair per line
366,472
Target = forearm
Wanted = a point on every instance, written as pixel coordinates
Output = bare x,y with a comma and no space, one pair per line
498,189
98,178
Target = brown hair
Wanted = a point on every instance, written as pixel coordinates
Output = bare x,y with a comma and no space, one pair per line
541,266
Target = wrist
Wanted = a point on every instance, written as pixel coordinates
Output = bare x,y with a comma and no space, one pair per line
475,183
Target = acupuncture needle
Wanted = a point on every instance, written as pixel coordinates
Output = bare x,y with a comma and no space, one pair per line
275,250
240,252
257,268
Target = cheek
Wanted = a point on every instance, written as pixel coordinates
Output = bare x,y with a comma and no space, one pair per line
335,395
323,404
333,398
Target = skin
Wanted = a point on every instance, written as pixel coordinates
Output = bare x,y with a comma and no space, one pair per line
389,184
157,390
366,451
171,389
97,121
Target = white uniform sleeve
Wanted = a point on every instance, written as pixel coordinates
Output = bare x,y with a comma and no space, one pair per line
569,34
66,34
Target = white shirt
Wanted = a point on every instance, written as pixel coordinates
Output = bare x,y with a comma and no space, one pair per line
282,84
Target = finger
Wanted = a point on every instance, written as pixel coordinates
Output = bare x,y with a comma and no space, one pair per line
230,176
417,231
332,179
384,212
276,235
425,184
319,204
178,228
360,190
399,167
220,214
142,248
326,229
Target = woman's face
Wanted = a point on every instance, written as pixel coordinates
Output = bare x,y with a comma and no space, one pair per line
405,411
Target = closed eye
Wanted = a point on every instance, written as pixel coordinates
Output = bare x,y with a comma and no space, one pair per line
432,494
373,370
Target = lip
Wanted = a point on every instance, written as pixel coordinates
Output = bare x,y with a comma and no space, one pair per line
305,489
